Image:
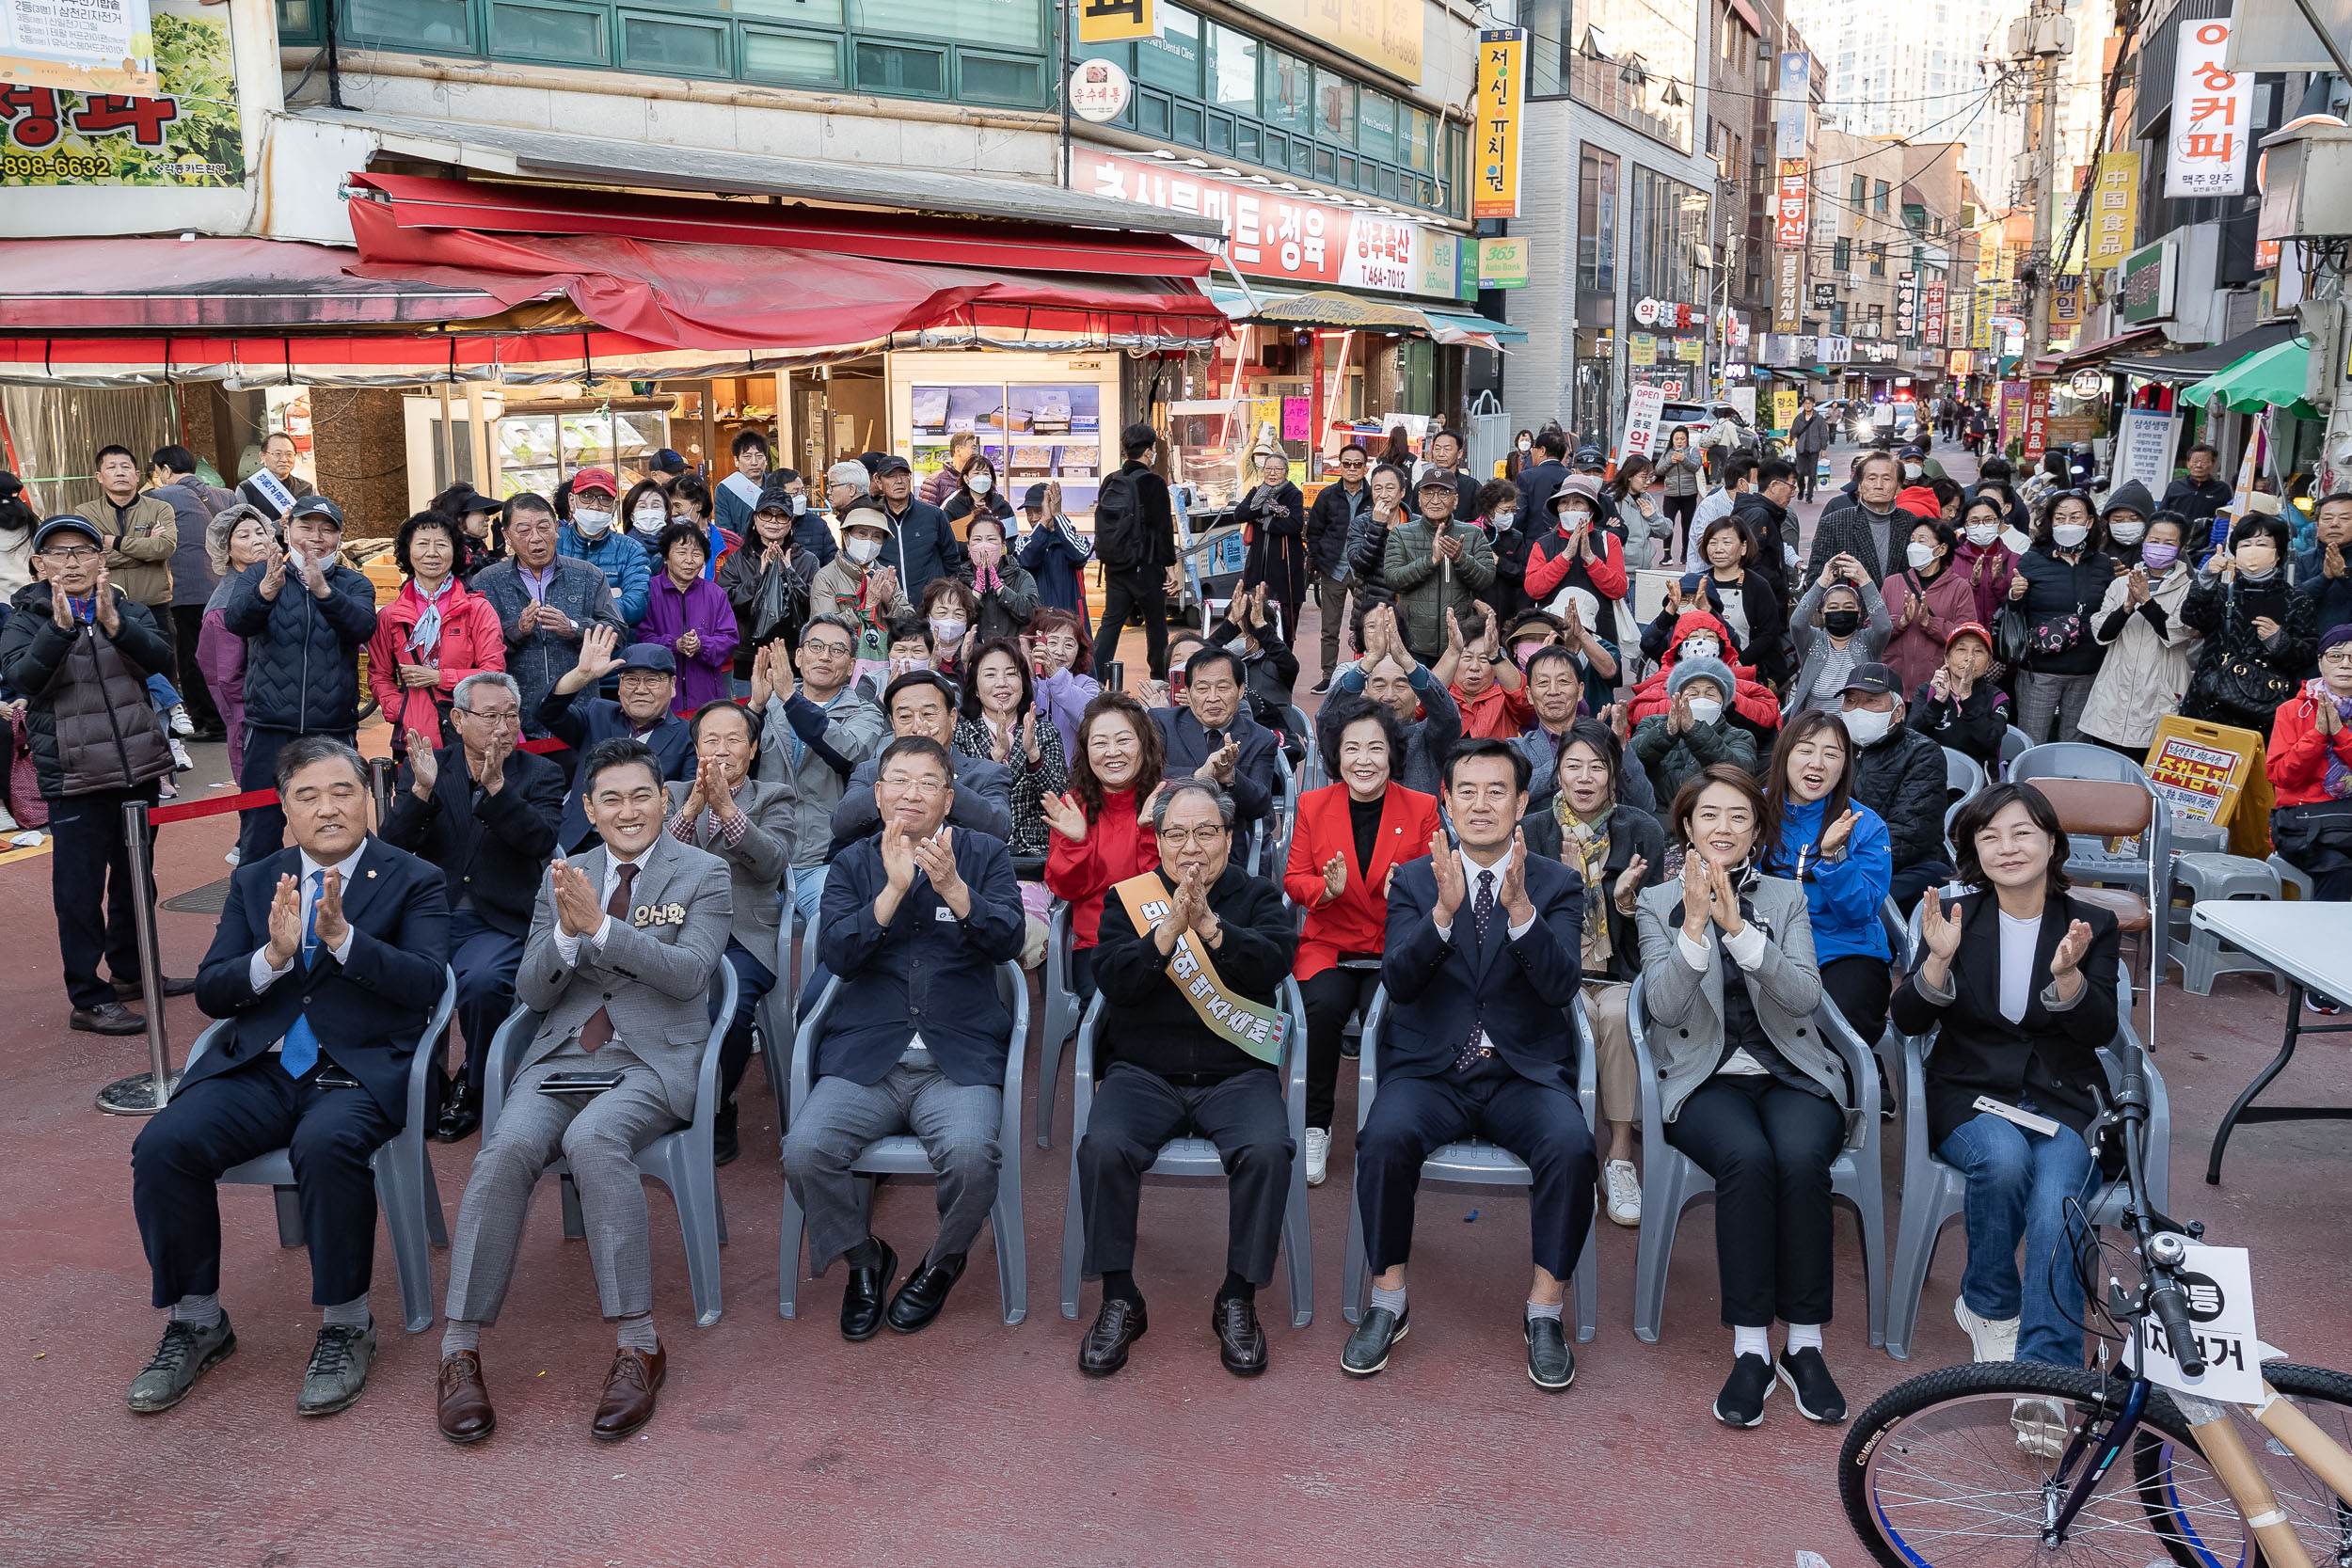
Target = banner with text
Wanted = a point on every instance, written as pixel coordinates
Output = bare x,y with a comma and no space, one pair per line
95,47
2212,115
2114,208
1382,33
187,134
1502,87
2144,443
1789,203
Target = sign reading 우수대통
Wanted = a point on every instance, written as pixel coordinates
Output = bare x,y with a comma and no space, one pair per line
188,135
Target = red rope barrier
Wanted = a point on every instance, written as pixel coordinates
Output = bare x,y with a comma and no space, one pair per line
182,811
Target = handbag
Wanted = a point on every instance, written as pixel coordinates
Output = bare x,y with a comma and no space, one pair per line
773,607
24,781
2245,683
2012,634
2055,633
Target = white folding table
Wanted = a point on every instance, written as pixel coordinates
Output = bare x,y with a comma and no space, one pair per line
2311,946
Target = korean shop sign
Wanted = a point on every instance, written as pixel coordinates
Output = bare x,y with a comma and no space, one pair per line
1501,84
2212,115
189,135
1108,21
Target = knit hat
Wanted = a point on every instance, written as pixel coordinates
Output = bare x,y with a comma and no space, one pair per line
2335,637
1689,669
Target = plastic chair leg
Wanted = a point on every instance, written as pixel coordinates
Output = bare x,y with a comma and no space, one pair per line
1666,1187
1297,1248
435,1223
289,1217
1924,1213
788,1256
1012,1244
1356,1282
1588,1288
696,1193
1870,1221
398,1191
1048,1077
1072,1240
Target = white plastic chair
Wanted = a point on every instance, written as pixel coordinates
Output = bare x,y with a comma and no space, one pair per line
404,1175
902,1154
680,1161
1472,1162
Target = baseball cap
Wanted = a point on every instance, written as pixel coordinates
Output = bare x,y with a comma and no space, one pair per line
596,479
648,655
1873,679
892,464
667,462
1435,479
1968,628
1588,457
317,506
1033,498
64,522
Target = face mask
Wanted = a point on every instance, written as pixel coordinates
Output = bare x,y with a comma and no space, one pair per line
650,519
591,524
1574,518
987,552
2159,558
1920,556
1522,651
919,661
2018,542
1868,726
1527,446
946,632
1981,534
1842,622
862,550
800,505
982,484
1503,520
1706,710
1701,647
1913,471
2247,574
2067,536
2127,532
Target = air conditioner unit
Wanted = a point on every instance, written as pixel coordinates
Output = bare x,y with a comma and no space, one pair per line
1761,156
1703,257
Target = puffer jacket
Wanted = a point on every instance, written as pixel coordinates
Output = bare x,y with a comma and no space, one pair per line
1424,593
302,652
1329,521
141,539
621,559
2146,670
1367,549
1901,778
2058,587
86,713
2226,611
1751,702
2299,754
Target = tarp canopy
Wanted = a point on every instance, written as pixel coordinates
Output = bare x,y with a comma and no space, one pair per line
2266,378
212,285
1335,311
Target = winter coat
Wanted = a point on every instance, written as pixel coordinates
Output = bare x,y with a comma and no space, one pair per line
1672,759
1841,896
1988,571
1367,552
220,657
2056,587
1539,484
1055,554
1774,531
1424,593
302,652
1551,565
2297,757
1328,522
1852,531
1008,605
2146,670
747,578
703,609
924,546
87,716
1645,527
1684,473
829,743
1751,702
1766,646
2332,597
541,657
470,642
1062,697
1275,525
2226,612
1812,687
959,505
1974,728
839,588
1809,435
141,539
621,559
1916,651
1631,831
1901,778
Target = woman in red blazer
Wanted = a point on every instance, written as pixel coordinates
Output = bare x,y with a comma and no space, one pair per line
434,634
1102,828
1351,834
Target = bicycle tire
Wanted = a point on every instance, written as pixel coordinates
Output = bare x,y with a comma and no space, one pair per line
1953,1419
2321,1519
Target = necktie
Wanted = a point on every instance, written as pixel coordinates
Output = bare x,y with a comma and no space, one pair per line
1482,919
597,1031
300,1052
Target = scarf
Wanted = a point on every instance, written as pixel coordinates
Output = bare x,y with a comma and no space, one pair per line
425,635
1588,843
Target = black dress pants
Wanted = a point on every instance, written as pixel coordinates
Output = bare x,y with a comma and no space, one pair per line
1124,591
1135,1110
90,881
1860,985
1330,996
238,1115
1541,1124
196,692
1768,1147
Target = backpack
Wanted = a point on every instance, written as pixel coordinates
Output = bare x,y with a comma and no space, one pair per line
1119,542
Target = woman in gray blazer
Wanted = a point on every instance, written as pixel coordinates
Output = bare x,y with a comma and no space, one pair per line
1750,1090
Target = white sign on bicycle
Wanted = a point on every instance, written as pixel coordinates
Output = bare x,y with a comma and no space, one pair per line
2218,1283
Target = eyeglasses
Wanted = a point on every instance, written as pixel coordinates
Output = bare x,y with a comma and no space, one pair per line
830,648
71,554
1179,837
495,718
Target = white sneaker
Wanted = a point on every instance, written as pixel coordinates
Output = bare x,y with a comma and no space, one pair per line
180,723
1624,1187
8,823
234,856
1993,1339
2042,1428
180,759
1318,1155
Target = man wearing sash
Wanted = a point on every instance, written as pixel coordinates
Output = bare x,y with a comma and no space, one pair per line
1481,958
1192,957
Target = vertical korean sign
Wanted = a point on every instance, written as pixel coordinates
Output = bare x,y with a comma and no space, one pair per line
2010,409
2212,115
2114,209
1501,89
1932,321
2037,420
1796,95
1788,213
1108,21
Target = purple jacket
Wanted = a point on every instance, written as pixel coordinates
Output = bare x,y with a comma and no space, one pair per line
704,610
1063,696
220,655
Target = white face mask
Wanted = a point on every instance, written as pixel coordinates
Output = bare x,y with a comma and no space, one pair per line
1574,518
2018,542
1503,520
651,517
1868,726
1527,446
2067,536
1981,534
945,632
982,484
1701,647
862,548
590,525
1920,556
800,505
1706,710
1913,471
2127,532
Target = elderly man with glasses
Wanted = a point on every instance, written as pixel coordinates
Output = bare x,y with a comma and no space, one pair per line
485,812
1334,512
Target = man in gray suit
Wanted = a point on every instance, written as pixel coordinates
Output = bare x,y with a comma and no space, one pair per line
748,823
622,949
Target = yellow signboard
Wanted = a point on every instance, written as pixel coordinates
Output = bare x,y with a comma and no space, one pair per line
1503,263
1385,34
2114,208
1643,348
1501,85
1108,21
1784,407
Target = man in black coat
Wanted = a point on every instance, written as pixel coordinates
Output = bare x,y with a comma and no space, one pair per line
325,965
485,812
1328,522
1765,511
1537,483
1483,951
2201,492
1899,774
647,680
1135,539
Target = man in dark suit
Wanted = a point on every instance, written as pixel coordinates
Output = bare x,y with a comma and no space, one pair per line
485,812
1482,957
646,681
314,1062
1538,482
915,920
1212,736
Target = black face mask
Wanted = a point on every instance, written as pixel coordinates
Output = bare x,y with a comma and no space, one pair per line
15,516
1842,622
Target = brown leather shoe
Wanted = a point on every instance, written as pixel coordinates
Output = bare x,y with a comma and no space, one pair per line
466,1416
629,1390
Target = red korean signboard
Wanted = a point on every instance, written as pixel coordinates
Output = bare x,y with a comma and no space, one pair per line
1932,324
1788,223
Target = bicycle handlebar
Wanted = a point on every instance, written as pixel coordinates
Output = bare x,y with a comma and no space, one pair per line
2165,1300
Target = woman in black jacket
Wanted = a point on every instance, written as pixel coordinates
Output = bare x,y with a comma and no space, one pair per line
2016,981
1959,706
979,493
1273,516
1368,541
2060,585
2259,637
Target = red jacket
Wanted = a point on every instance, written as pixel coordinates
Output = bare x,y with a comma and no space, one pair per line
472,642
2298,755
1493,714
1548,563
1117,847
1751,702
1357,919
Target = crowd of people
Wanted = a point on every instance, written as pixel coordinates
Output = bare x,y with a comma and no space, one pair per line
643,733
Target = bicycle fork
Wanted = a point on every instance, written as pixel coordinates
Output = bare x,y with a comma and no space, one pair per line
2110,1445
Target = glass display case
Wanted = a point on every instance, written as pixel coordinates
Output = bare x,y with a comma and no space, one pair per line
538,449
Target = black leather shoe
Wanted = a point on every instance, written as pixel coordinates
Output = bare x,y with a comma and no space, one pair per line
1118,1325
1240,1342
862,1297
131,990
725,1147
460,1116
1816,1391
925,1292
107,1018
1550,1364
1367,1348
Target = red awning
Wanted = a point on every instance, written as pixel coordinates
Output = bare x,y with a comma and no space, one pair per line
412,201
214,285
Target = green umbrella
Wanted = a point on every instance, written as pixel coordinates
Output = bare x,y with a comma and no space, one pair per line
2267,377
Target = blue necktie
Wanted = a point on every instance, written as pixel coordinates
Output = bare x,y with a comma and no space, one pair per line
301,1052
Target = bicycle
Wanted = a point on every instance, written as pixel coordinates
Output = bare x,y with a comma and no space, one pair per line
2015,1462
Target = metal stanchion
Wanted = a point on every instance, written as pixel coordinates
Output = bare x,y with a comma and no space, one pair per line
1115,675
380,785
143,1094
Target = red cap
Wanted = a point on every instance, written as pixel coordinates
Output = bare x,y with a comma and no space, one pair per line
1920,502
1968,628
596,479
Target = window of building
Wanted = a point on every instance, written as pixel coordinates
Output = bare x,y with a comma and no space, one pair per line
1597,223
1375,124
1879,196
1232,70
1335,107
1859,192
1289,91
1878,260
1669,223
1841,256
1642,72
1837,318
1170,58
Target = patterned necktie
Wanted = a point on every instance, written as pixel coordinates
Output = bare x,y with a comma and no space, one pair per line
597,1031
300,1052
1482,919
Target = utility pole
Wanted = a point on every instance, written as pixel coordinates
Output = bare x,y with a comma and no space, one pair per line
2037,40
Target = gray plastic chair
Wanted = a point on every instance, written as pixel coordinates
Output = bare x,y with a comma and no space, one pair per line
1286,819
1671,1181
902,1154
2145,866
1935,1194
1962,772
1310,770
2015,743
773,1021
1061,1003
680,1161
1473,1161
405,1187
1197,1158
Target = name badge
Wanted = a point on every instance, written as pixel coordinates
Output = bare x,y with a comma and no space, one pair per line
941,912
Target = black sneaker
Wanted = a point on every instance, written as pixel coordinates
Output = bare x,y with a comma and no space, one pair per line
1376,1334
1321,687
1811,1386
1741,1402
186,1354
1550,1364
726,1144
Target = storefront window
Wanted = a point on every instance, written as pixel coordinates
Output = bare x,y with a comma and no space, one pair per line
1669,221
1232,70
1171,57
1597,223
1335,107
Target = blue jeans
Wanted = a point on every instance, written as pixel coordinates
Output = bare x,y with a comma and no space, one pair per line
2018,1187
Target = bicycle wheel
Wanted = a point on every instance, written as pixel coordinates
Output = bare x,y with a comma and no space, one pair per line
1935,1474
2322,1520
